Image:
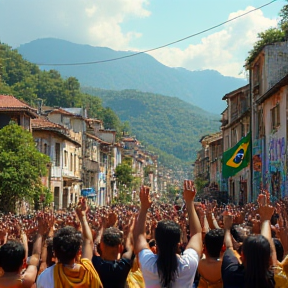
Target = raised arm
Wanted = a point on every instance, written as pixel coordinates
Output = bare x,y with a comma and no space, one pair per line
266,211
24,240
195,241
30,274
87,247
228,222
140,242
129,241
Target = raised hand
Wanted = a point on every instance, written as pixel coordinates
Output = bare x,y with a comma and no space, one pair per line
42,224
145,200
227,221
82,208
266,212
112,219
189,192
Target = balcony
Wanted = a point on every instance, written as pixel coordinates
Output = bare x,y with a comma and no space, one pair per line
56,171
237,113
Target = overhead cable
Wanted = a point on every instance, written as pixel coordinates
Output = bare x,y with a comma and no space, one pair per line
157,48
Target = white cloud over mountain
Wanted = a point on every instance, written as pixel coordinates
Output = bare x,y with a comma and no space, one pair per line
98,23
94,22
224,51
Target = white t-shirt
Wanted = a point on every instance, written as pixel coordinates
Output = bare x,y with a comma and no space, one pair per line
46,278
187,266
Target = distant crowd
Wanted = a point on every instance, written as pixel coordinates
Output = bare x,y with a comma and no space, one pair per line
196,244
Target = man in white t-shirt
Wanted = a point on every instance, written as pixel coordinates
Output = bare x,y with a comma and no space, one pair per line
168,268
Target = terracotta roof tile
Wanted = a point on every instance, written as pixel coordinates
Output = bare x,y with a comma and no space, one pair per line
10,103
93,120
64,112
129,140
44,123
61,111
97,139
107,131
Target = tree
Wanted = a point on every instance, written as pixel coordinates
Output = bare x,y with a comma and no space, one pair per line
284,20
267,37
272,35
123,173
21,168
111,120
200,185
124,178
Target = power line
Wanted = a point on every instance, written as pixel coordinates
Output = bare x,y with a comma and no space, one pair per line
157,48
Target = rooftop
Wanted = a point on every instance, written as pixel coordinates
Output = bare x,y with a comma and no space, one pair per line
10,103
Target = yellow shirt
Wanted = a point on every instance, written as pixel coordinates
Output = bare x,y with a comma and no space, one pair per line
84,277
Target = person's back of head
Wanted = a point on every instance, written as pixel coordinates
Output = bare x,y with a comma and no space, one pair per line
12,255
112,237
279,249
110,244
214,242
167,236
66,244
256,259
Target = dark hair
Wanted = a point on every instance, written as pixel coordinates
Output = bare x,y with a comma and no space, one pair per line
12,255
214,241
236,235
152,243
167,235
256,250
49,261
66,244
279,249
112,237
274,218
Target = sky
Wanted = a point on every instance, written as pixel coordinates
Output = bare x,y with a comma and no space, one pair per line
140,25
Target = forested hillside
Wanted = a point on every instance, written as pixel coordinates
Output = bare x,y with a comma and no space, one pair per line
166,123
170,127
26,81
143,72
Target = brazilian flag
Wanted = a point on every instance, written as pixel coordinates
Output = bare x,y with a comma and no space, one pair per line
237,157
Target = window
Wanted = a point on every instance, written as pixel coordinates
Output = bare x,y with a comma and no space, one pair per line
75,162
261,128
65,158
71,162
233,137
275,117
45,149
226,144
57,154
256,76
56,197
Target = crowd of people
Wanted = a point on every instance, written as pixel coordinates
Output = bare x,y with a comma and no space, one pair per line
197,244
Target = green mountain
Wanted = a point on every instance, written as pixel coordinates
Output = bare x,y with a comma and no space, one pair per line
142,72
166,123
27,82
169,126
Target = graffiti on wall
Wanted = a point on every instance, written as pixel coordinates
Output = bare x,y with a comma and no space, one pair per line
276,176
276,149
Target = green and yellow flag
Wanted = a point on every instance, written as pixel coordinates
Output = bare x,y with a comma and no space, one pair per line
236,158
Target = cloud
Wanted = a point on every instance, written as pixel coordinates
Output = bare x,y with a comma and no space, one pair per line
225,50
98,23
94,22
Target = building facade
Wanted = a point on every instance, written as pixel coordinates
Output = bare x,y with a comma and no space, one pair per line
235,126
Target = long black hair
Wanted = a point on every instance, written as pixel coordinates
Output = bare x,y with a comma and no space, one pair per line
167,236
256,250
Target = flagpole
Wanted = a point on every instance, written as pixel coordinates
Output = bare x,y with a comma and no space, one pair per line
252,137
